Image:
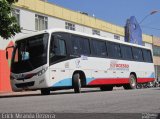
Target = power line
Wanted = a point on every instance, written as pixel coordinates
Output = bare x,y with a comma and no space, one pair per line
148,27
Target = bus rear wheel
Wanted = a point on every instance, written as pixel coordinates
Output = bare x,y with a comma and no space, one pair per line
132,83
106,88
45,91
77,83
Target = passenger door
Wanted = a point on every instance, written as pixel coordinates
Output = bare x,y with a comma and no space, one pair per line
59,70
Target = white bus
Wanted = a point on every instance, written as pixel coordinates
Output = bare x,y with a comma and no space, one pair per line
62,59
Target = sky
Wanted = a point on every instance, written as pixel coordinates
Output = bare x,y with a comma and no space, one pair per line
117,11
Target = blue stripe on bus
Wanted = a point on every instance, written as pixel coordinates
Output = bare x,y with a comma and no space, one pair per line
152,75
68,82
89,80
64,82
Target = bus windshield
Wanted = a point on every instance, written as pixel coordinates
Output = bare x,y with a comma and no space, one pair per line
30,53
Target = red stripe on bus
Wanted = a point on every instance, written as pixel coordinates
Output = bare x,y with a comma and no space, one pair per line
103,81
144,80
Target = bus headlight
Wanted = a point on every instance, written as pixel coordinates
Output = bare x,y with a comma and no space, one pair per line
41,72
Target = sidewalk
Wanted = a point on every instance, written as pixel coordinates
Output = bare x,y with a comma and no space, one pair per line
16,94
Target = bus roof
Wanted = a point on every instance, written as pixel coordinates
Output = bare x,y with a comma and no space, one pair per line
81,34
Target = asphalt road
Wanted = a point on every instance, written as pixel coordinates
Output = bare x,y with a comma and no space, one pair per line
89,101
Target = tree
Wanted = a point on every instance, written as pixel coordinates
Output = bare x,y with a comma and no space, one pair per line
8,23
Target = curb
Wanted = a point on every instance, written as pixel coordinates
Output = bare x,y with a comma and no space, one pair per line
16,94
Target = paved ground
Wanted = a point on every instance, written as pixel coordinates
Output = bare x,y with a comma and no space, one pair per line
89,101
18,94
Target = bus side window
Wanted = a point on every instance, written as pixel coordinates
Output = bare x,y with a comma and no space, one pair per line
98,48
137,54
60,49
114,50
57,48
80,45
126,52
75,45
147,55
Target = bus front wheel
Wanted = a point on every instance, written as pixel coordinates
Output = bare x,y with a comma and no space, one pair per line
45,91
77,83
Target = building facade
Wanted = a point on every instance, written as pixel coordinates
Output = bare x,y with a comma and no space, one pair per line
35,15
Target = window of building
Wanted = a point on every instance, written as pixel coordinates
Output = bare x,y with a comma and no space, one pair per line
156,50
41,22
80,45
126,52
114,50
137,54
98,48
117,37
70,26
96,32
16,13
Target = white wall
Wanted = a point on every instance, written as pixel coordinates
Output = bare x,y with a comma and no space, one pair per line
3,43
55,23
83,29
107,35
27,19
27,22
122,38
148,45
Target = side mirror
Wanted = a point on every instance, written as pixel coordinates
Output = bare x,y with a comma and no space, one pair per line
7,55
7,51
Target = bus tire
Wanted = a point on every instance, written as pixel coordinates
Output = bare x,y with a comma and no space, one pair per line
132,83
76,83
106,88
45,91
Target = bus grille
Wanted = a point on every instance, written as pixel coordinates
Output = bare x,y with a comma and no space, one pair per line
22,85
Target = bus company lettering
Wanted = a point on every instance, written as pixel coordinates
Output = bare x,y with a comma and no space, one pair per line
122,66
114,65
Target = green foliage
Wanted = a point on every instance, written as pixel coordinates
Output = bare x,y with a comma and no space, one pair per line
8,23
12,1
